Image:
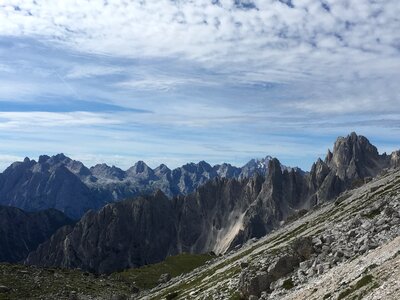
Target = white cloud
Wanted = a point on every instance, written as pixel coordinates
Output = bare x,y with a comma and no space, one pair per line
85,71
194,65
28,121
157,82
212,34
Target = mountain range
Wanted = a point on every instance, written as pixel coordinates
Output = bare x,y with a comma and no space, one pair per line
220,215
69,186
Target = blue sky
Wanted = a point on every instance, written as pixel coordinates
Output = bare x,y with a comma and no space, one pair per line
178,81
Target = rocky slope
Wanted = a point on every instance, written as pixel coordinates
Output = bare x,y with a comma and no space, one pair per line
21,232
346,249
67,185
220,215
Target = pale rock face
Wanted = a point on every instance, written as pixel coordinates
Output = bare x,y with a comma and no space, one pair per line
395,159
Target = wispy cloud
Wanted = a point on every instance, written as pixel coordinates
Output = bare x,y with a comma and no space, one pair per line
220,78
31,120
85,71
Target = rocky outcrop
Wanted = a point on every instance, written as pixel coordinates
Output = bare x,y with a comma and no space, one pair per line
22,232
353,159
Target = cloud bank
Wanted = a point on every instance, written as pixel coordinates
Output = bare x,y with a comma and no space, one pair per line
187,80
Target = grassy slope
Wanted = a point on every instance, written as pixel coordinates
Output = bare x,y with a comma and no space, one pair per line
147,276
29,282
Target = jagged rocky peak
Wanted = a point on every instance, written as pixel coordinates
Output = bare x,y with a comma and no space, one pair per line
139,168
199,168
43,159
204,166
355,157
319,171
227,170
46,162
259,166
58,158
105,171
162,170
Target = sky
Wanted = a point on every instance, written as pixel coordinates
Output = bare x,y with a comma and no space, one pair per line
176,81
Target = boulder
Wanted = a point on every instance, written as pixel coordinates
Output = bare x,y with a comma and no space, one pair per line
253,284
303,247
283,266
164,278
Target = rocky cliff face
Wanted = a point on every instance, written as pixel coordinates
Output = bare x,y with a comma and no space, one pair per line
220,215
22,232
67,185
145,230
121,235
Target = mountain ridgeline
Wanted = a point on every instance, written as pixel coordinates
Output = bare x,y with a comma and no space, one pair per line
220,214
67,185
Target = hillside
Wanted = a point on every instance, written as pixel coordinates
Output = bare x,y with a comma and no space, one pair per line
344,249
352,251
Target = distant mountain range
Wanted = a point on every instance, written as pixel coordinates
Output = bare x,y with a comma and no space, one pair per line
219,215
69,186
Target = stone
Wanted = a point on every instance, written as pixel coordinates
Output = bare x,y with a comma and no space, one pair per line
364,248
303,247
380,222
320,269
366,225
283,266
4,289
317,241
164,278
244,264
304,265
253,283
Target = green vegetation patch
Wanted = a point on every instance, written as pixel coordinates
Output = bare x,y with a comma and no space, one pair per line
288,284
327,296
147,276
367,279
372,214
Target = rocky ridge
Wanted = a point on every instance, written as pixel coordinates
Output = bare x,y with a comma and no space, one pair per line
67,185
221,215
